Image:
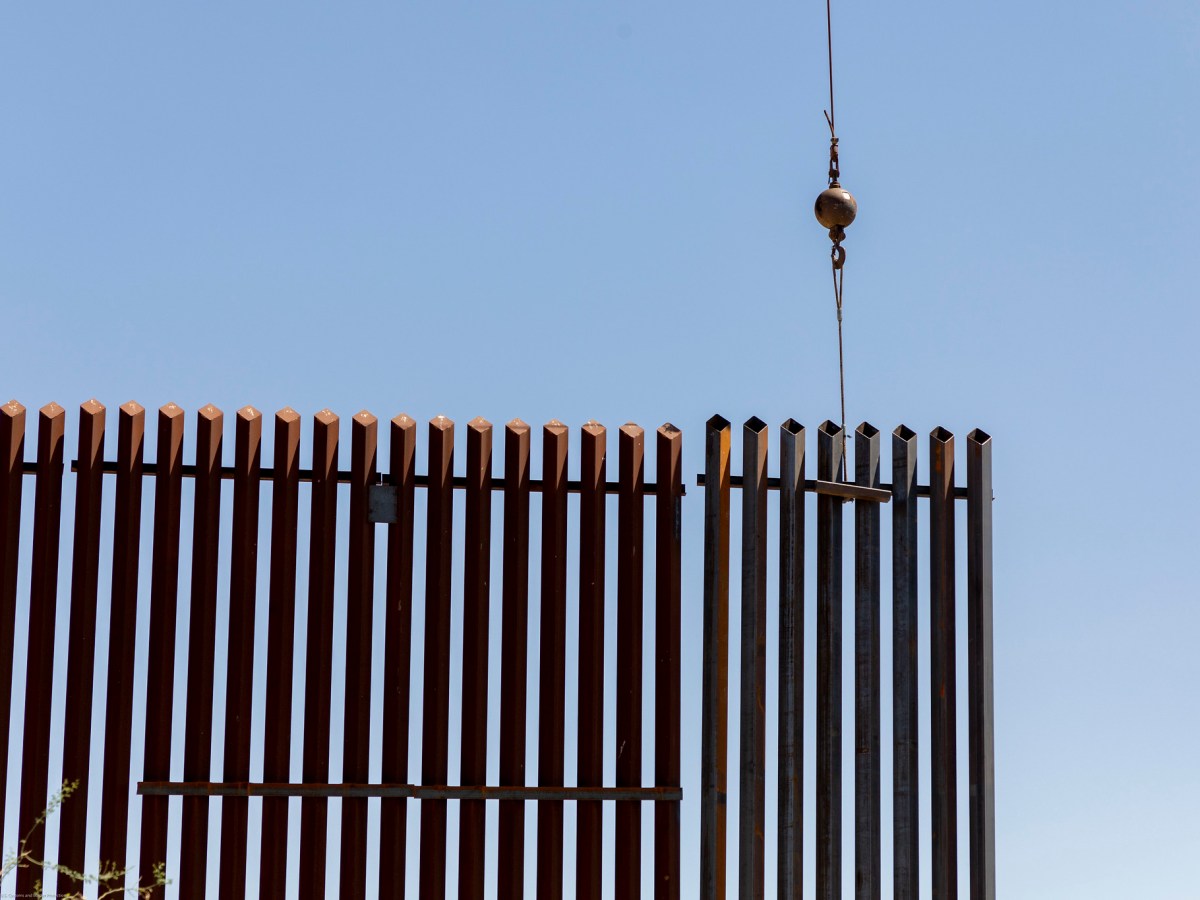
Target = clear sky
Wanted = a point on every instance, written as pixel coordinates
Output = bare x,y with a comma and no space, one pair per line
603,210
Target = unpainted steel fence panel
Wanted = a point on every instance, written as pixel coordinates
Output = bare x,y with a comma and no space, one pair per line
832,491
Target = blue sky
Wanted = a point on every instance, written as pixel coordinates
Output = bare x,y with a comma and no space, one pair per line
603,210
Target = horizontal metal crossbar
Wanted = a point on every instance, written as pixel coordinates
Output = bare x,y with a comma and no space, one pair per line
848,490
266,473
413,791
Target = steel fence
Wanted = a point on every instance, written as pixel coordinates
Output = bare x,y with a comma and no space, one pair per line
388,500
867,493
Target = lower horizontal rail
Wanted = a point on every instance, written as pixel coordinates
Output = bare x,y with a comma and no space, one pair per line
413,791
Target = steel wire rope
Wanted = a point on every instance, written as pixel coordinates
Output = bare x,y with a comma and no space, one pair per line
838,254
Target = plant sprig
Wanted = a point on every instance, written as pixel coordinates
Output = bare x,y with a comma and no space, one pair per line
110,878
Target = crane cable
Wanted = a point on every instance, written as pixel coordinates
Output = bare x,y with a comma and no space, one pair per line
829,116
838,253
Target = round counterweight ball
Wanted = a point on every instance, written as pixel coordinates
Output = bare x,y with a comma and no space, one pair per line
836,207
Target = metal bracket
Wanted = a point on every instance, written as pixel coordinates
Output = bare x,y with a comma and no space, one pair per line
382,500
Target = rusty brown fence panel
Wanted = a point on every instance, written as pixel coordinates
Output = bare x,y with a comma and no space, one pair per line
314,812
12,474
514,666
476,608
668,542
589,877
627,874
239,678
552,657
356,741
435,739
397,657
197,745
122,632
281,633
81,661
43,594
160,665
